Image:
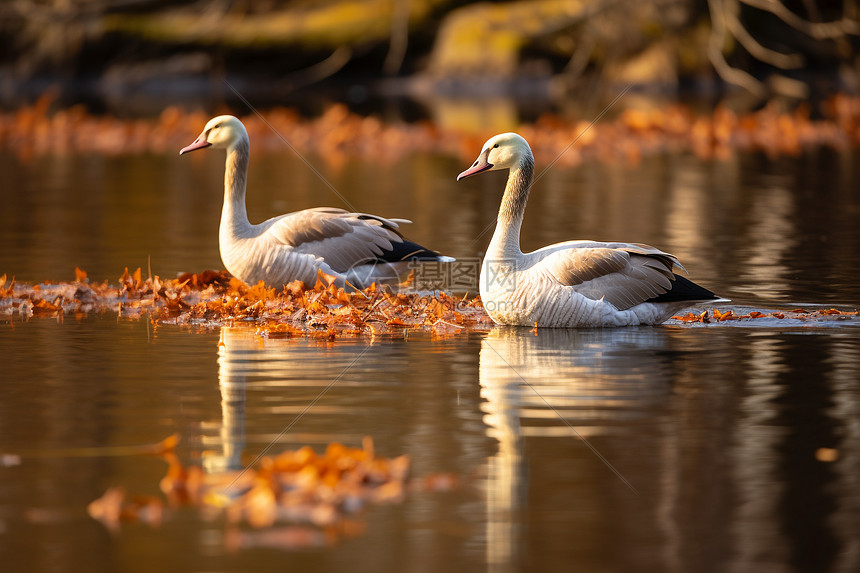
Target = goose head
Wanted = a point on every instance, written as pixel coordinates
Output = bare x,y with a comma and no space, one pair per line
222,131
502,151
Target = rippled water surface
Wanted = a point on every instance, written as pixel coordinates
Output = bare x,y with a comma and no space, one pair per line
642,449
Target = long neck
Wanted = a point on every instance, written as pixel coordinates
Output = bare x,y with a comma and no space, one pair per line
234,215
506,238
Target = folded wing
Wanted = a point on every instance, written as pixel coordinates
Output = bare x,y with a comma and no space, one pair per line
342,238
622,274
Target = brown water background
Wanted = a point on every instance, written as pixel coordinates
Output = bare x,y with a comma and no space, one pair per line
716,428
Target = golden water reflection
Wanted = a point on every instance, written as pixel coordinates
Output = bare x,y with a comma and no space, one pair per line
723,472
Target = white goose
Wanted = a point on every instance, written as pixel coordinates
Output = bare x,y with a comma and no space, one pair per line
356,248
575,283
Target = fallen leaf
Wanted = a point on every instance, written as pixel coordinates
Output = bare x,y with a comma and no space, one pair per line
108,508
9,460
826,454
43,307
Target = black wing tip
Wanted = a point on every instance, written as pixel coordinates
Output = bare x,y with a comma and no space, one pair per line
683,289
409,251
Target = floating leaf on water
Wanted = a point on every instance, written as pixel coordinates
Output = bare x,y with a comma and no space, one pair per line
9,460
115,506
439,482
826,454
108,508
167,445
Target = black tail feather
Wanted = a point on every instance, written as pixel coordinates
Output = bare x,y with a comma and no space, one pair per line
684,289
407,251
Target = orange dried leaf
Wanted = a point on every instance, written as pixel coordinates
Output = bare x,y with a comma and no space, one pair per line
335,450
175,479
166,445
80,275
389,492
439,482
689,317
295,288
108,508
324,280
826,454
261,507
259,292
367,446
43,307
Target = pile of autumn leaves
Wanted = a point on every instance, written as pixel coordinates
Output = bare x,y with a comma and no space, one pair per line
716,315
214,298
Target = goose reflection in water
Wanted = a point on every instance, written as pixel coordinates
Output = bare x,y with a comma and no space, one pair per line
249,362
232,373
295,393
562,384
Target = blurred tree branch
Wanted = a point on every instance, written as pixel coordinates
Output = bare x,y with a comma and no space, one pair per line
818,30
731,9
399,36
726,25
717,41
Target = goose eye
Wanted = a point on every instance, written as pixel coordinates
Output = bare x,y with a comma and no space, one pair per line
475,163
496,146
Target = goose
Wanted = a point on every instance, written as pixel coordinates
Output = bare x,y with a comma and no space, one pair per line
350,249
574,283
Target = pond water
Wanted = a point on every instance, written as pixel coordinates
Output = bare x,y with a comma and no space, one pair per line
671,448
